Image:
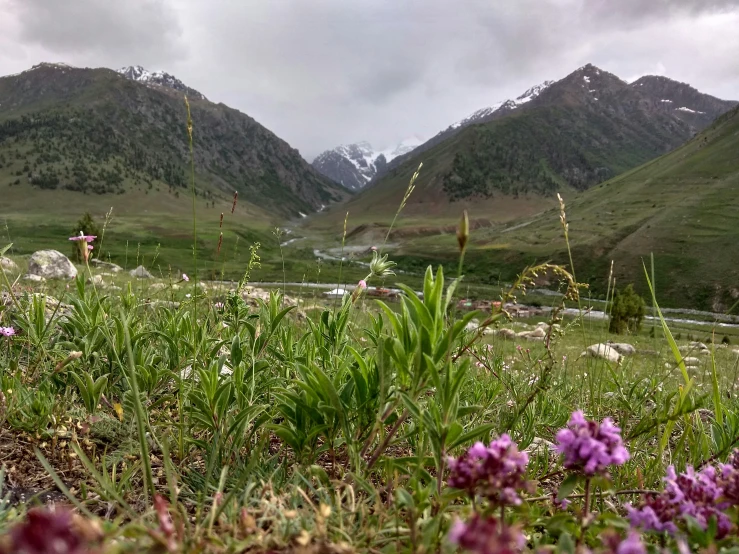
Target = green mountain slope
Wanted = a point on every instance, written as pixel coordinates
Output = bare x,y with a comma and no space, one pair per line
94,131
579,131
683,207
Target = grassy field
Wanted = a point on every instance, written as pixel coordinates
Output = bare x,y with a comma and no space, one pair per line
221,423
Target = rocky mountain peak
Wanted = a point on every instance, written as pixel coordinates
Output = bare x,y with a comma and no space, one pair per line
159,78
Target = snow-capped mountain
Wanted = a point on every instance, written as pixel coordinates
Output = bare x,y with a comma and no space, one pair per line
159,78
500,108
355,165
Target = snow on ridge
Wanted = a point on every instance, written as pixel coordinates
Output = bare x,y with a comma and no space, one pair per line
665,100
684,109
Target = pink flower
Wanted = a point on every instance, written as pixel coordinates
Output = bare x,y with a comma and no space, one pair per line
46,531
84,237
487,536
218,305
7,331
185,277
362,284
374,249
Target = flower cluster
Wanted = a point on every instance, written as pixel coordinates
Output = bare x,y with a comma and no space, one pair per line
698,495
487,536
44,531
7,331
497,471
590,446
614,544
728,479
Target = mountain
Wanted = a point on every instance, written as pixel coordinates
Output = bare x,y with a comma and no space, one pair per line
159,78
682,207
571,134
355,165
100,131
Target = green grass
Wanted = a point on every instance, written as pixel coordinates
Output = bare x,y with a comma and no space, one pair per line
321,432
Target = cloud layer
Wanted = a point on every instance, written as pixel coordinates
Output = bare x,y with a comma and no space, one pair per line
326,72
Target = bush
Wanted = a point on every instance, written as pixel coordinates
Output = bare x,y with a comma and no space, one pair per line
627,311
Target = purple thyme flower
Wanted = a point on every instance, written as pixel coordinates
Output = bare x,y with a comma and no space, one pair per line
45,532
614,544
591,446
729,478
487,536
7,331
497,471
694,494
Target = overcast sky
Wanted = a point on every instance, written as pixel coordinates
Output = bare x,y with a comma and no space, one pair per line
325,72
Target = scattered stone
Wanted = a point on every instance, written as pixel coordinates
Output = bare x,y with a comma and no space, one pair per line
698,346
96,280
6,264
107,266
602,351
140,273
510,334
34,278
108,286
690,360
155,287
705,352
51,264
540,446
623,348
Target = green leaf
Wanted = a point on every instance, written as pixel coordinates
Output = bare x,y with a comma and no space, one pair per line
566,545
567,486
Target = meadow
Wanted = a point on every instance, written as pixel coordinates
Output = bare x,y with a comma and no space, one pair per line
187,415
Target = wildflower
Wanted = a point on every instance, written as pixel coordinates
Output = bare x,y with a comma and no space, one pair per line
487,536
697,495
497,471
219,305
362,284
632,544
188,295
7,331
185,278
729,478
44,531
85,247
380,266
591,446
463,232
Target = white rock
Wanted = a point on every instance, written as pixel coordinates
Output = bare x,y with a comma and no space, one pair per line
34,278
603,351
705,352
511,334
140,273
623,348
6,264
106,265
51,264
690,360
96,280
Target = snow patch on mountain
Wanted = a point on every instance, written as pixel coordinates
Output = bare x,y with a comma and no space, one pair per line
505,105
159,78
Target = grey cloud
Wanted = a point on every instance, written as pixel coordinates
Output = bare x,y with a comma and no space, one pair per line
111,29
324,72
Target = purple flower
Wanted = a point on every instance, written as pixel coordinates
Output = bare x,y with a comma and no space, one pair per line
497,471
695,494
590,446
45,532
487,536
185,277
729,478
7,331
614,544
219,305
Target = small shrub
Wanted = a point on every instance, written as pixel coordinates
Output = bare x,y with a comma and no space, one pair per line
627,311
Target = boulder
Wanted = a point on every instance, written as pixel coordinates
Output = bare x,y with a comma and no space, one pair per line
508,334
539,332
34,278
623,348
140,273
107,266
690,360
698,346
602,351
6,264
51,264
